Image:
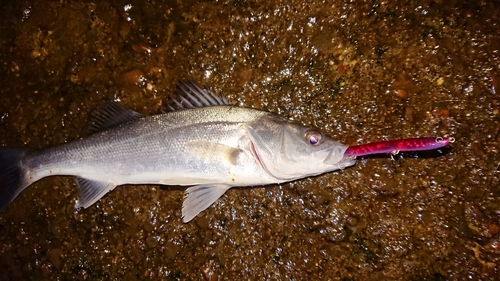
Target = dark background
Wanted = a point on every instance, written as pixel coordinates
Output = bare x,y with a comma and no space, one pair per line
359,70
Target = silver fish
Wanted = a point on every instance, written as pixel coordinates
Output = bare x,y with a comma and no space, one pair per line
204,143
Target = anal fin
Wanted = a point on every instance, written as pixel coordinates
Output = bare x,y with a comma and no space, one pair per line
200,197
89,191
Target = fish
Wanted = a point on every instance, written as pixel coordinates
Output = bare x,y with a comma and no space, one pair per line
201,142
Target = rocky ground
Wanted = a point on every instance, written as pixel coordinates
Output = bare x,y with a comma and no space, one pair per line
360,71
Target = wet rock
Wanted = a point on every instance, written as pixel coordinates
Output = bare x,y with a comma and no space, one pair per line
151,242
245,75
476,220
148,227
203,222
142,48
352,221
495,81
331,233
208,274
55,257
134,77
401,93
171,249
23,251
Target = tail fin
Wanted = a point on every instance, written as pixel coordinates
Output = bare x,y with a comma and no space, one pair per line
11,175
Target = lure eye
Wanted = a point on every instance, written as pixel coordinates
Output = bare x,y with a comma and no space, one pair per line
313,137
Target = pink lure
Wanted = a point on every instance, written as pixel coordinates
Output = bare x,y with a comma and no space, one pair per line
395,146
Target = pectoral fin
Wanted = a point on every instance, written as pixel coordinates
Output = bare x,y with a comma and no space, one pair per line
89,191
199,197
210,150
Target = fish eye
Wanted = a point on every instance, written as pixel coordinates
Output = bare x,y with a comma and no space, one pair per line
313,137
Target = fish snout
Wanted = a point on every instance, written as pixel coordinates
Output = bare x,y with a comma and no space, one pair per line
336,155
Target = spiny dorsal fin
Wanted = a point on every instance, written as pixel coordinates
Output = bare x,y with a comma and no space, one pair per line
189,95
110,114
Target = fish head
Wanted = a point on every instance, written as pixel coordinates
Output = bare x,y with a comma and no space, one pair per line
289,151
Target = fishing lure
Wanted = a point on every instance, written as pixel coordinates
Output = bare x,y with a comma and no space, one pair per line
395,146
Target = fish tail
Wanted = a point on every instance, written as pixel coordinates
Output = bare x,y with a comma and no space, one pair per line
11,175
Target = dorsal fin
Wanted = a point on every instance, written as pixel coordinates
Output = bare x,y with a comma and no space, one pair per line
189,95
109,115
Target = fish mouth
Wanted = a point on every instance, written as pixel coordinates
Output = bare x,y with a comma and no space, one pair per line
336,155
